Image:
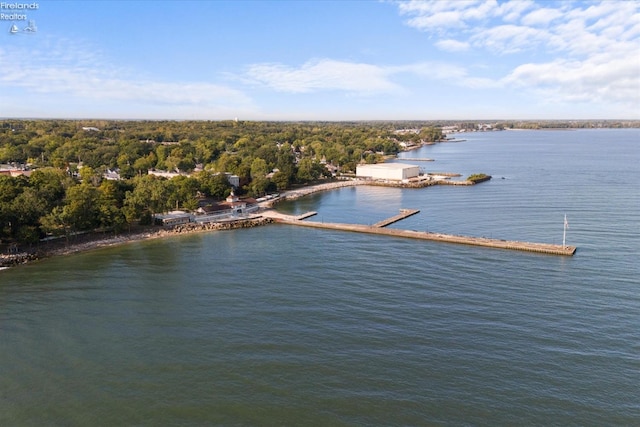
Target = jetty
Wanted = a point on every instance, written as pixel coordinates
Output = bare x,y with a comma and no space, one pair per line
305,215
404,213
380,228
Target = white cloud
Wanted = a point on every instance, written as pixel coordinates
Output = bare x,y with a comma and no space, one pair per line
451,45
438,16
324,74
505,39
541,16
590,50
72,72
600,79
512,11
489,24
357,78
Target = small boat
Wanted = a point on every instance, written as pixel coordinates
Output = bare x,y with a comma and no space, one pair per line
14,29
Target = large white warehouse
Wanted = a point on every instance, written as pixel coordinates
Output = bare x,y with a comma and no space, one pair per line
388,171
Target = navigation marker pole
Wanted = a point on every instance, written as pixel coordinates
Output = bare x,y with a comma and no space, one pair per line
564,233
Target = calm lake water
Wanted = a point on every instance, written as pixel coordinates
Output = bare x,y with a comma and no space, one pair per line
283,325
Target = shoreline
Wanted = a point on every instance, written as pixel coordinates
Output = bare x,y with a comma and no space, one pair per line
94,240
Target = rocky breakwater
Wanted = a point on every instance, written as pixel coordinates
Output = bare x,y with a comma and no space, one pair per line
17,259
226,225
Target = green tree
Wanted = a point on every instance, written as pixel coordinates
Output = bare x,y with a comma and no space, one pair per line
259,186
281,180
56,222
306,170
149,194
110,212
181,192
82,207
143,164
259,168
51,185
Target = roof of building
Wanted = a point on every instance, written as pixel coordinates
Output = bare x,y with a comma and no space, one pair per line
394,166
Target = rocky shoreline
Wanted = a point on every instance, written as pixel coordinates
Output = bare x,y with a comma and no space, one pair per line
96,241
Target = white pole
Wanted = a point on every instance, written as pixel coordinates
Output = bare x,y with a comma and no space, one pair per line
564,232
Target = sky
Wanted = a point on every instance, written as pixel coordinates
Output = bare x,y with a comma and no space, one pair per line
320,60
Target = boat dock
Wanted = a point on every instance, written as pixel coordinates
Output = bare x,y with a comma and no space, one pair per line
415,159
543,248
404,213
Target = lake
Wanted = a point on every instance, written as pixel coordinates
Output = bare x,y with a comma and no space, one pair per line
285,325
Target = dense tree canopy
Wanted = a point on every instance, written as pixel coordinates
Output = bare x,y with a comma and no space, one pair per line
69,161
67,191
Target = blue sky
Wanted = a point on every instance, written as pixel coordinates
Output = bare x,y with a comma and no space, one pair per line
321,60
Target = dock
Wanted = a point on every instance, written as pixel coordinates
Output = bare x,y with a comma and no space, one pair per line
305,215
415,159
404,213
379,228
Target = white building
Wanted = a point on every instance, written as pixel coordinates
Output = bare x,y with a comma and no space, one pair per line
173,218
388,171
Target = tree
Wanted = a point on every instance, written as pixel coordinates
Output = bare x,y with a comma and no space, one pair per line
26,210
110,212
181,191
259,186
281,180
259,168
56,222
143,164
214,184
82,207
51,185
306,170
149,194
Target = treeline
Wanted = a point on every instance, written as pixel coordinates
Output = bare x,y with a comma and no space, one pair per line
573,124
67,191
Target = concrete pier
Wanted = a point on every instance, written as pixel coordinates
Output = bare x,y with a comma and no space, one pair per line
543,248
404,213
306,215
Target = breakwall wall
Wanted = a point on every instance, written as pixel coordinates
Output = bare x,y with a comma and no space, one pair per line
543,248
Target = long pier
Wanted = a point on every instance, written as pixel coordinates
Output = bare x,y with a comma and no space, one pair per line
543,248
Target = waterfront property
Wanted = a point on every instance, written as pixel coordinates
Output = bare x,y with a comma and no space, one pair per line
172,218
232,208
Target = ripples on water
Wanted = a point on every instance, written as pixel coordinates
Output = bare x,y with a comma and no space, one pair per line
292,326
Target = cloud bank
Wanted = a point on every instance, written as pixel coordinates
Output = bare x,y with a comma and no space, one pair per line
594,45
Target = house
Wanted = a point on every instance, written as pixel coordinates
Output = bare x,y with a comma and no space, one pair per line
232,207
112,175
14,171
173,218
